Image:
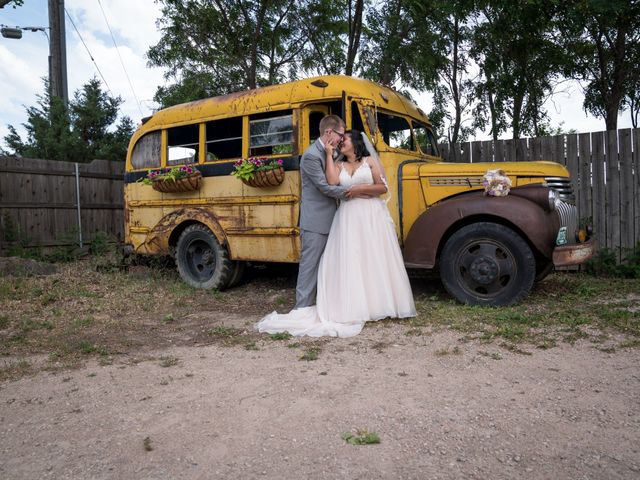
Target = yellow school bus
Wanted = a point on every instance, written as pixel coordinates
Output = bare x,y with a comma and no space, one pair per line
488,250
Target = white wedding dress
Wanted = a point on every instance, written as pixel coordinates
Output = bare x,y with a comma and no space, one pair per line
361,275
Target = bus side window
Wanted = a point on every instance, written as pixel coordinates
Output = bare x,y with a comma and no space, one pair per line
182,144
271,135
356,119
146,153
314,125
224,139
396,131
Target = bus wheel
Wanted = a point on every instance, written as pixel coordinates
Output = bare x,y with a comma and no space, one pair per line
202,261
237,275
487,264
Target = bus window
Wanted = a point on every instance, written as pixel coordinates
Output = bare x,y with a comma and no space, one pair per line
314,125
146,153
356,119
271,136
425,139
224,139
182,144
395,131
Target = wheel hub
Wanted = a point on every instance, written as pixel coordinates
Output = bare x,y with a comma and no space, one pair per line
484,270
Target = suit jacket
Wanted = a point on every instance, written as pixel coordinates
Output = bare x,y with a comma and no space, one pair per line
318,203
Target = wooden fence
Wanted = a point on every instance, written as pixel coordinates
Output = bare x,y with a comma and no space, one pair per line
38,198
39,201
604,168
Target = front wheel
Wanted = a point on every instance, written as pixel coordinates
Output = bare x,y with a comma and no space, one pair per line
202,262
487,264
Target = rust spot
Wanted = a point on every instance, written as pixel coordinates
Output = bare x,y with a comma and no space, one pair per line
576,254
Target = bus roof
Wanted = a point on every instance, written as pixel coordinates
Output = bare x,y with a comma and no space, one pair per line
277,97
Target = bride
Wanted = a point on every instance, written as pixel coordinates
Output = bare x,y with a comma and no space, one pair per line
361,275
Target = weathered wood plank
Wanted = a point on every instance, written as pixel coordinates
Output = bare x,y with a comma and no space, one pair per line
585,207
599,199
574,167
636,186
626,189
522,150
487,151
612,188
476,151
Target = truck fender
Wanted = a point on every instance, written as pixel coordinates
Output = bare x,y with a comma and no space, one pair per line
164,234
428,233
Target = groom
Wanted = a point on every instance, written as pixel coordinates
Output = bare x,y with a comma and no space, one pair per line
317,207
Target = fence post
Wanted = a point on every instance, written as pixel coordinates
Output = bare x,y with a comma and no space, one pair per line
78,204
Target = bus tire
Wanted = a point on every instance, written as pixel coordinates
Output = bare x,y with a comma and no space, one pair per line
202,262
237,274
487,264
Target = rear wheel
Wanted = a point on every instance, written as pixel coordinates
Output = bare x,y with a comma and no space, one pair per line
487,264
202,262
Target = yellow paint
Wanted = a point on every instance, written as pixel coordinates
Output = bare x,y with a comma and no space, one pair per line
261,224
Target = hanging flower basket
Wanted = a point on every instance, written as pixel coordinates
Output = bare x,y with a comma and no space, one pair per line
259,171
188,183
265,178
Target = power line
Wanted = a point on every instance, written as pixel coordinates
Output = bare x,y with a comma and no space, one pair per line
87,48
120,57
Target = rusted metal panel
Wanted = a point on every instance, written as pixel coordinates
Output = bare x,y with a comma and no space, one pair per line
566,255
538,226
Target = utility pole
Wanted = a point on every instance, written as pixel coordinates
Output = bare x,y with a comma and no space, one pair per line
58,51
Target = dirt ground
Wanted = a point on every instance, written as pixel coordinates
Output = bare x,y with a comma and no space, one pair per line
441,412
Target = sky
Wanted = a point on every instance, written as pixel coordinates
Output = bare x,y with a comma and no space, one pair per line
24,62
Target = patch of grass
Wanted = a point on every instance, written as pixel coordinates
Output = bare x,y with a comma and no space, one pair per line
224,332
29,325
84,322
311,354
15,369
168,318
635,343
361,437
294,345
4,321
445,351
251,346
166,362
85,347
280,336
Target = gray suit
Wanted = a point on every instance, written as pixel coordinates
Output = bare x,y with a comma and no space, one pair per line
317,208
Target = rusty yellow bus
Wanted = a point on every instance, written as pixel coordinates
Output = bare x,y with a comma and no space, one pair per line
488,250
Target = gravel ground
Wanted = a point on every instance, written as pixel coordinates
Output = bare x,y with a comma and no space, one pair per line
442,409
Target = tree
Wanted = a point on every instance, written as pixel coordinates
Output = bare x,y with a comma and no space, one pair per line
602,39
453,96
519,60
222,46
81,132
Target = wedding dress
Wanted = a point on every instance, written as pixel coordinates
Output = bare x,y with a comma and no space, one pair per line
361,276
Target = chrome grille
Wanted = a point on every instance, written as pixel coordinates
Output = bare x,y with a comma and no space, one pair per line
563,186
568,218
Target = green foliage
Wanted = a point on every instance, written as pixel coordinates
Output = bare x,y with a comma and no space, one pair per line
605,263
361,437
245,168
602,45
80,133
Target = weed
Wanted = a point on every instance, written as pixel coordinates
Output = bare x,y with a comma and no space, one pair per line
84,322
361,437
635,343
168,361
168,318
445,351
146,443
223,332
217,294
86,347
251,346
294,345
310,354
99,245
280,336
4,321
413,332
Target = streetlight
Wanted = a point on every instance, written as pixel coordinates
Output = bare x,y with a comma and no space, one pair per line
16,32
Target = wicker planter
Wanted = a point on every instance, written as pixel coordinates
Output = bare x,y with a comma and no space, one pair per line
185,184
266,178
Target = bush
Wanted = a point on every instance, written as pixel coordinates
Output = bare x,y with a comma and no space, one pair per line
605,263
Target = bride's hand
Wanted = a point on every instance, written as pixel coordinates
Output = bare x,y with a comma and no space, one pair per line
329,148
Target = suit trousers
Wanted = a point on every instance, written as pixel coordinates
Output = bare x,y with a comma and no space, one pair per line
312,249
